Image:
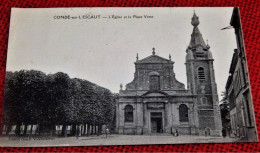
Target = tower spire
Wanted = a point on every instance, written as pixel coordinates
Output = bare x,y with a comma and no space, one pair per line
196,37
153,51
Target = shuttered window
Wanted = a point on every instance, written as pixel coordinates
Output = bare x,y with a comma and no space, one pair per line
201,73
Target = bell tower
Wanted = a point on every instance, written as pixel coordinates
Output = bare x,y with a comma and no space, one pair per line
201,82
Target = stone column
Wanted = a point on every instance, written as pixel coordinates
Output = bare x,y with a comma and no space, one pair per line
196,116
192,120
145,119
170,117
167,118
117,114
175,114
139,118
120,119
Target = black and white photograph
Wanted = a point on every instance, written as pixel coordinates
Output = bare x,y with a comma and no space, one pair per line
126,76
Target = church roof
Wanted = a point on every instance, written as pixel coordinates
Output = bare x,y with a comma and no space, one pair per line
154,59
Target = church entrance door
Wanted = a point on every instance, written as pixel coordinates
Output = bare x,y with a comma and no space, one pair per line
156,122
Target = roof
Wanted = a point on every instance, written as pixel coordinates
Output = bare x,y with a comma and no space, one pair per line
235,19
154,59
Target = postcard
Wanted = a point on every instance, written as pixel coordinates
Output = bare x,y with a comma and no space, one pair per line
126,76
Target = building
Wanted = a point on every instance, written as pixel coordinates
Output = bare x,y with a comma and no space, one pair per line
238,89
155,102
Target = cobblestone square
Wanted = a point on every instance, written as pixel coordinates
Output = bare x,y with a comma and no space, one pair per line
111,140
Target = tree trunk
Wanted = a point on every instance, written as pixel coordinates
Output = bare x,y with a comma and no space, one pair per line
2,128
97,131
25,129
100,130
88,129
63,130
36,129
73,132
8,129
40,128
84,129
7,126
31,129
51,129
17,130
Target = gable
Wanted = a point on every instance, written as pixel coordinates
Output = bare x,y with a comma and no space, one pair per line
154,59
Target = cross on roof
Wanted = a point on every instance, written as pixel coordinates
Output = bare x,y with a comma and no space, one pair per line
153,51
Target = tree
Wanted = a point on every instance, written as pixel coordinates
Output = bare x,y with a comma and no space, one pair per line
225,112
57,97
32,97
23,96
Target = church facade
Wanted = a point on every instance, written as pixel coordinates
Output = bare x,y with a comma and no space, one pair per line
156,102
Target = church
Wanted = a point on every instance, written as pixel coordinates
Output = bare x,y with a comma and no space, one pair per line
156,102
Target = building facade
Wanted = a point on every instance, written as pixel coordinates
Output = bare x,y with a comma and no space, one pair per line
156,102
238,89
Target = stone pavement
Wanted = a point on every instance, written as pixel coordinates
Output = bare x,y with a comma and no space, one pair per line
110,140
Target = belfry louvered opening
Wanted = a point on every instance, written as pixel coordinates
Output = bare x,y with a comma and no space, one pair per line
201,73
200,54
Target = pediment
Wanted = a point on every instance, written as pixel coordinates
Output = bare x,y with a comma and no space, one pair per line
154,59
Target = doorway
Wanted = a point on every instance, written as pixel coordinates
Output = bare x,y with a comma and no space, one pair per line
156,122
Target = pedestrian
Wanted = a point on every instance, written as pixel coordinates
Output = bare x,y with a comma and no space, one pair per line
238,132
177,133
107,131
173,133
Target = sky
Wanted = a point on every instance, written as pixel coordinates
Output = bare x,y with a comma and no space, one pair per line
101,47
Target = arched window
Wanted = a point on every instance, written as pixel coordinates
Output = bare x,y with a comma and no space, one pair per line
129,116
183,113
154,81
201,73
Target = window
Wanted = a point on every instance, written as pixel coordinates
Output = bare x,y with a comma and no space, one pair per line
201,73
204,101
129,117
154,82
183,113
